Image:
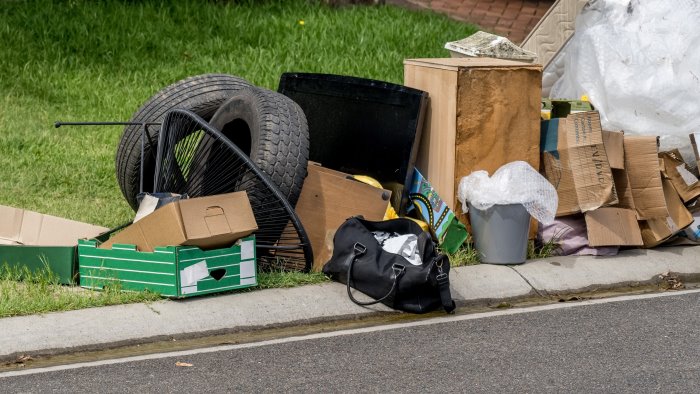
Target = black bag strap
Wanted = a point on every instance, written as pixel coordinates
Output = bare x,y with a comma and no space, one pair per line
358,250
443,281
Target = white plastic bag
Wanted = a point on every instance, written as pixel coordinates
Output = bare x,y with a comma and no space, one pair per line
514,183
639,64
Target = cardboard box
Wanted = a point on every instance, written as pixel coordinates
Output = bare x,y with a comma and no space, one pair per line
483,113
330,197
30,239
644,175
678,172
576,163
172,271
656,231
207,222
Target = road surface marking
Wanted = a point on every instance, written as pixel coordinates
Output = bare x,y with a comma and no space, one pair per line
354,331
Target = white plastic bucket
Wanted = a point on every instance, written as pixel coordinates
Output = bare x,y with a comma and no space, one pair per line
500,233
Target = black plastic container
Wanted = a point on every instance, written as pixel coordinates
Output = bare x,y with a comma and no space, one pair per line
361,126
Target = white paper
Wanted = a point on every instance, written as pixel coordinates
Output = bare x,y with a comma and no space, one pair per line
147,206
687,176
404,245
191,275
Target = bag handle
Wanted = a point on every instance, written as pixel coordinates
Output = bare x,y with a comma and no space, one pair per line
443,281
358,250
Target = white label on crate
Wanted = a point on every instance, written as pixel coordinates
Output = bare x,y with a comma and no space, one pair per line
248,281
191,275
247,269
687,176
247,250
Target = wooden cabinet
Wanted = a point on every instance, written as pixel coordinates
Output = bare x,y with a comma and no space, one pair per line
482,113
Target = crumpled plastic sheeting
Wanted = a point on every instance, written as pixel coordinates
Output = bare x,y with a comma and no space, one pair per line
639,63
514,183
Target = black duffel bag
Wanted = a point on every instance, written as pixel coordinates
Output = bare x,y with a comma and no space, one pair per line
359,262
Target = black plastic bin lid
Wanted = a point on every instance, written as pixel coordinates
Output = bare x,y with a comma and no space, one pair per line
360,126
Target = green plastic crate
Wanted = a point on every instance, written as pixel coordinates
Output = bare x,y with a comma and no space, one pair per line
172,271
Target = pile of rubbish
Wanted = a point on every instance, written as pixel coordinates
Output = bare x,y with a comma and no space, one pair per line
228,178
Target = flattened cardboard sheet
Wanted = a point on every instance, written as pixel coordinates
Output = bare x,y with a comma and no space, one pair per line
22,227
615,148
644,174
330,197
576,163
613,227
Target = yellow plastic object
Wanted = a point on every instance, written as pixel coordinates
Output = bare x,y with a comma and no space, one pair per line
390,211
368,180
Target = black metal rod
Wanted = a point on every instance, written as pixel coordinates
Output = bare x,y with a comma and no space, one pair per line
59,123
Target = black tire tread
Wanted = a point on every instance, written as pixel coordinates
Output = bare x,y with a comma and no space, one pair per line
283,148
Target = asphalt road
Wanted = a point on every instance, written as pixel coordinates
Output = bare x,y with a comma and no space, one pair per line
636,345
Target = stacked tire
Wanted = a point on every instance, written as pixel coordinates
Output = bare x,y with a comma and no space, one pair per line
268,126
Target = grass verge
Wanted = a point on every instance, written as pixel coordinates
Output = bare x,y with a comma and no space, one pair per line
26,292
82,60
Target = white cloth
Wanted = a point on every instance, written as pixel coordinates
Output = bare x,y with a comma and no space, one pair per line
405,245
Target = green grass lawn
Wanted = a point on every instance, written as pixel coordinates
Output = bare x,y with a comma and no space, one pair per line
80,60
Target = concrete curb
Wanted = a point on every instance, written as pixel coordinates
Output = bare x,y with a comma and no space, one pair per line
480,285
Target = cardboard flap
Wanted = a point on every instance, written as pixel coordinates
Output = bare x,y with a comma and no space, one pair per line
683,180
623,189
22,227
614,148
216,222
327,199
589,161
642,166
578,167
613,227
656,231
11,223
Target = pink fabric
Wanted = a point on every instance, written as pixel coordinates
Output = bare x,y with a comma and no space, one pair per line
570,233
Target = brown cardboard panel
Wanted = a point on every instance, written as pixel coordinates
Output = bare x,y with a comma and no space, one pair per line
674,168
22,227
229,215
206,222
614,148
613,227
656,231
483,113
576,163
327,199
623,189
643,172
